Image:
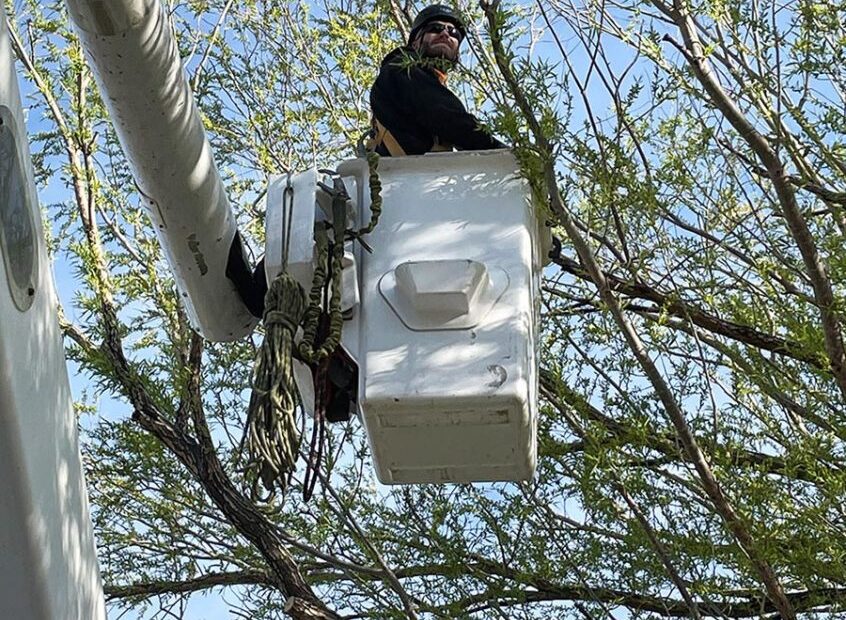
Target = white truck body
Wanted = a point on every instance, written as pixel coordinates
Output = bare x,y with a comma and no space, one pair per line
48,562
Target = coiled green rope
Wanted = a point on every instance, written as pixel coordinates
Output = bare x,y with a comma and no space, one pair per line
271,437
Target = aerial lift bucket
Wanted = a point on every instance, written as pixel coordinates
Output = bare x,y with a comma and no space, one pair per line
442,310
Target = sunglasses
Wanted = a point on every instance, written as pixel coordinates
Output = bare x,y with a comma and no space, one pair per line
451,30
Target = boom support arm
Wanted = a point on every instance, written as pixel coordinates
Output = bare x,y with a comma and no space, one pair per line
132,52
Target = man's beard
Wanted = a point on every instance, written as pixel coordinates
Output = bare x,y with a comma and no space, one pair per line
442,51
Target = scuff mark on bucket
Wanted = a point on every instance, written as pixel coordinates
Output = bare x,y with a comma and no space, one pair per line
499,375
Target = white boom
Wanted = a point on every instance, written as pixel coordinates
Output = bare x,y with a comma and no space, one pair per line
135,60
48,564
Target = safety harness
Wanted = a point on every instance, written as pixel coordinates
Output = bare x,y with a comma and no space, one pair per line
380,135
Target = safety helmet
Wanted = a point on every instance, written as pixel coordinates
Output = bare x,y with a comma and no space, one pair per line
437,11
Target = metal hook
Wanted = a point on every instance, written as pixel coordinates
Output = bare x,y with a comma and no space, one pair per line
287,220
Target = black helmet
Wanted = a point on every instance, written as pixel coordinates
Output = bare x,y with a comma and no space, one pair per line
437,11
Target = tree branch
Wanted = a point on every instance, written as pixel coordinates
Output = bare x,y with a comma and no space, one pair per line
686,311
732,519
212,580
814,264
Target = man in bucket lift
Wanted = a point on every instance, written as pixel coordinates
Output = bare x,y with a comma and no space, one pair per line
413,110
413,113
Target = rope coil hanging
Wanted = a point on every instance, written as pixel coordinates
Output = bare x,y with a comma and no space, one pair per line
271,437
375,186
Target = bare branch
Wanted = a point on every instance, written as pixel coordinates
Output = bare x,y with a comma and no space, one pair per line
212,580
814,264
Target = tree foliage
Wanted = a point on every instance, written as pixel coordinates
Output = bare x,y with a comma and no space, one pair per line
691,442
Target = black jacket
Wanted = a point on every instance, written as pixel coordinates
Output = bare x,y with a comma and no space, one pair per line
410,101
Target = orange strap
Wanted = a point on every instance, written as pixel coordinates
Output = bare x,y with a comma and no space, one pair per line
383,136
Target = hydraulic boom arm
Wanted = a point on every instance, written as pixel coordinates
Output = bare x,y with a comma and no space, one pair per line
135,59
